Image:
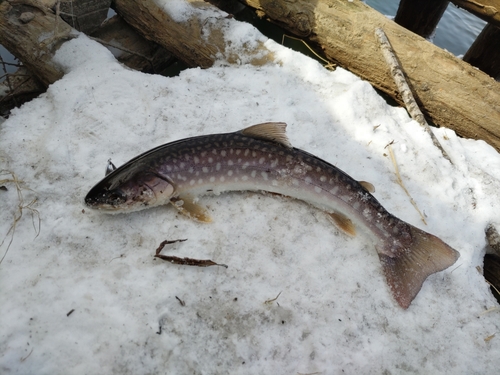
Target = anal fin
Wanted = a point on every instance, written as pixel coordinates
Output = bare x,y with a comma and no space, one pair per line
343,223
186,205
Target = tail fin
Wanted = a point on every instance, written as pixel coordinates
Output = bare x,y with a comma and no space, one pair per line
407,271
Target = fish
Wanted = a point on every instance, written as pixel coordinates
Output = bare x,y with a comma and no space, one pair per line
261,158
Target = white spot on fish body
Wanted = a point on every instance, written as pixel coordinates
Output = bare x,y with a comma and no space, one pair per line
274,163
229,173
214,151
203,154
317,189
200,181
212,179
192,182
261,160
296,182
238,151
210,160
205,170
230,162
247,151
244,178
274,182
217,167
308,180
196,160
334,190
254,154
253,174
245,165
223,153
222,179
322,178
318,169
264,175
182,165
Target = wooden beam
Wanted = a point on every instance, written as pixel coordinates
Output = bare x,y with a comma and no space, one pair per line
488,10
449,91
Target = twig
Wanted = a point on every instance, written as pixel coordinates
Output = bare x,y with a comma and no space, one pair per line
404,89
274,299
190,261
168,242
400,182
25,358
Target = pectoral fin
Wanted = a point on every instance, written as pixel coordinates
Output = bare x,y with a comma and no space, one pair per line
343,223
367,186
186,205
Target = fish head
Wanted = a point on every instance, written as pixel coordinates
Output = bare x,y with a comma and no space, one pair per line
125,190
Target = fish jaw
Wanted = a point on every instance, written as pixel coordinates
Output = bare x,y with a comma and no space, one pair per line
116,193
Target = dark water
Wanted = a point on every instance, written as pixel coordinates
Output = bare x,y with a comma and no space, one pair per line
455,32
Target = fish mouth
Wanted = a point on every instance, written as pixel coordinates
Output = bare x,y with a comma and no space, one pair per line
105,199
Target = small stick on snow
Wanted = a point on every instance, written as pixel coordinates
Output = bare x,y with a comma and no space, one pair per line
404,89
190,261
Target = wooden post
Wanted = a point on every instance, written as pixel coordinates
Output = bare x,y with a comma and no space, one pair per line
420,16
484,53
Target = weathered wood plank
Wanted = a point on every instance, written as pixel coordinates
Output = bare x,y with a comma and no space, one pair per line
488,10
450,91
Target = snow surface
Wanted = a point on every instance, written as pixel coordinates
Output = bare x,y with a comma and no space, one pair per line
335,313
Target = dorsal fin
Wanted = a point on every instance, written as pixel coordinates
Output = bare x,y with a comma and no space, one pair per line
270,131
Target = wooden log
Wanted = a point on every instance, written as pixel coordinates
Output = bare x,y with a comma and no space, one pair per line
484,53
448,90
131,49
32,33
196,40
420,16
488,10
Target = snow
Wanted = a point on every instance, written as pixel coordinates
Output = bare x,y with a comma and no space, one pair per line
334,313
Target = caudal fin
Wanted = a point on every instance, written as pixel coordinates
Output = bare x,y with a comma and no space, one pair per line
407,271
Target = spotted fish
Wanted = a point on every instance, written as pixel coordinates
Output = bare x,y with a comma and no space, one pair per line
261,158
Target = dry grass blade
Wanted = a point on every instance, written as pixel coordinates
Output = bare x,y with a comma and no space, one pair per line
328,65
21,207
400,182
